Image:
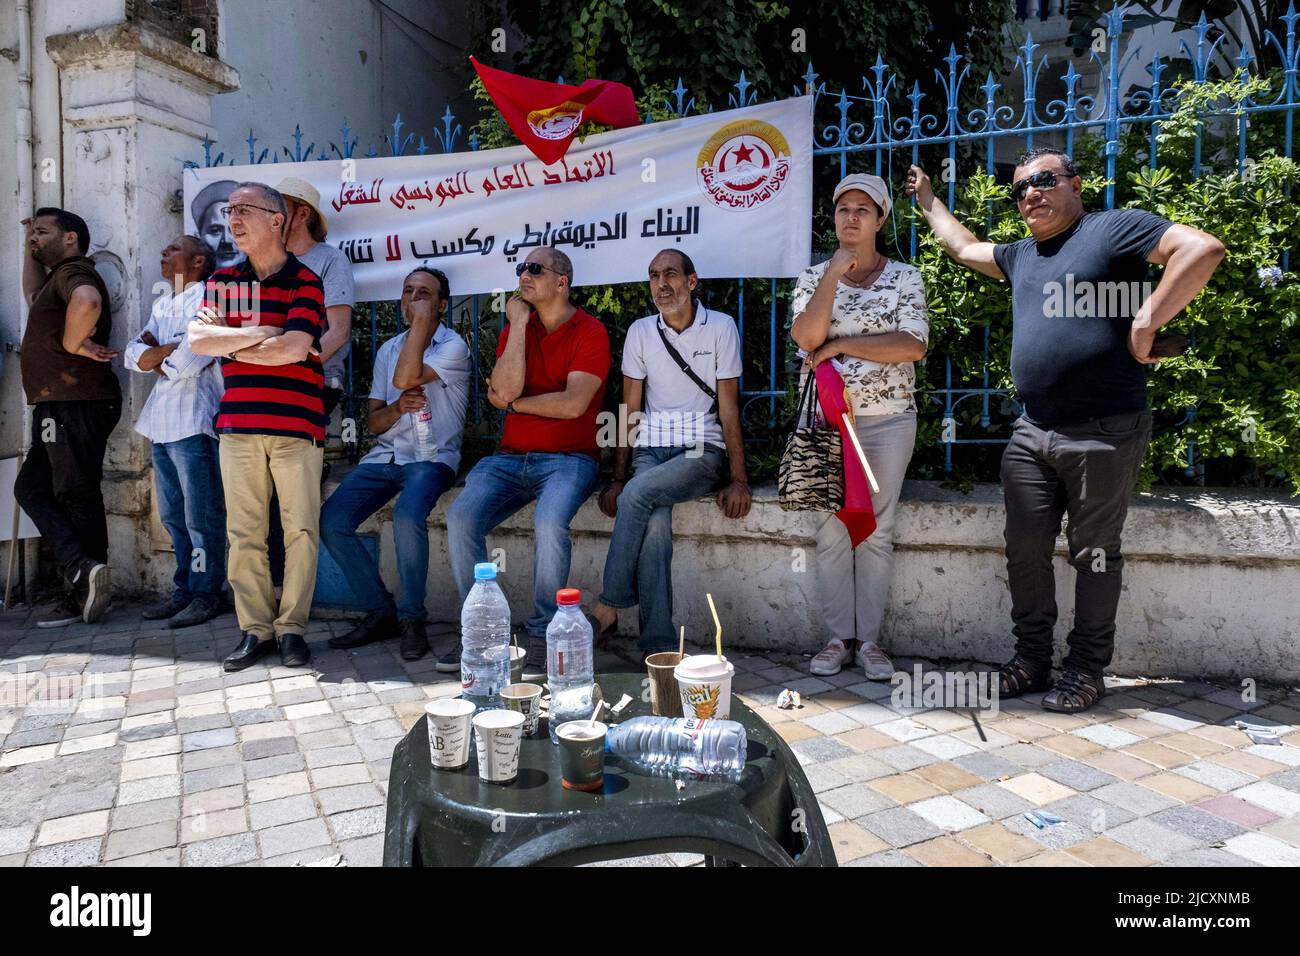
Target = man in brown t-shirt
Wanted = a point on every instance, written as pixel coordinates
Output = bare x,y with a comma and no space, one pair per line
76,404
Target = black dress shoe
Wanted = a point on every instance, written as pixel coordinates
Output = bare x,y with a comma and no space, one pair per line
198,611
164,609
249,651
415,643
375,626
294,651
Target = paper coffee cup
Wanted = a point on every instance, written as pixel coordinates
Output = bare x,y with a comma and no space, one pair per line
517,655
525,699
665,698
448,722
497,735
704,682
582,754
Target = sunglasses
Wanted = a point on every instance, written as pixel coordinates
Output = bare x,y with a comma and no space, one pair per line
1046,179
532,268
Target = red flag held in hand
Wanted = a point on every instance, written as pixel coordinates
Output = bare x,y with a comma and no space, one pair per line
546,115
858,514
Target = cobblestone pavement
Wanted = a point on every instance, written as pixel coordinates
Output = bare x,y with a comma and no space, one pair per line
160,758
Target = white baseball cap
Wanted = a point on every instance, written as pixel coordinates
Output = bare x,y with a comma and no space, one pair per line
305,192
873,186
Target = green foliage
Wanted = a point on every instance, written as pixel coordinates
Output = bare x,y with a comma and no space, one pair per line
647,42
1242,375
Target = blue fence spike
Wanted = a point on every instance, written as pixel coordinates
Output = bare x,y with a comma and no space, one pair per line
865,124
683,106
809,79
744,98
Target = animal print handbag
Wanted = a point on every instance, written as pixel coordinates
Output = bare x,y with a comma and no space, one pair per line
811,477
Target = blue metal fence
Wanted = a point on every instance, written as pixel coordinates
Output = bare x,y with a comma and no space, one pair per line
866,124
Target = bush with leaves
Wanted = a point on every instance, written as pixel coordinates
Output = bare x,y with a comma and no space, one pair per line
1235,397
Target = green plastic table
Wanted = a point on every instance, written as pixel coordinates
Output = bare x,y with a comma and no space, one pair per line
452,818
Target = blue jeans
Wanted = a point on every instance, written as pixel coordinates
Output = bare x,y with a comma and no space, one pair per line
363,492
639,566
192,508
499,486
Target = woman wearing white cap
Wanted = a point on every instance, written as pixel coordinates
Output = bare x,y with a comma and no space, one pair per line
868,314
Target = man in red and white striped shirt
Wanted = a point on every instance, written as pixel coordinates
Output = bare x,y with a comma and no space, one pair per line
271,422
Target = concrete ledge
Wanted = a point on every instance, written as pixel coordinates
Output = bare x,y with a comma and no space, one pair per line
1211,577
123,39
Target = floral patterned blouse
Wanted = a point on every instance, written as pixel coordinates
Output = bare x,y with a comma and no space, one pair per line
895,302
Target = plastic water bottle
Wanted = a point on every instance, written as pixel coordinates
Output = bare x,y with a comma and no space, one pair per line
569,661
422,424
665,746
485,640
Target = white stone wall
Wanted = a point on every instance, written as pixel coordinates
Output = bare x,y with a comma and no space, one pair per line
1210,581
316,62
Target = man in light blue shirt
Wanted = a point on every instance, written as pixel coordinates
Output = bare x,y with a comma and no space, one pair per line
177,419
424,369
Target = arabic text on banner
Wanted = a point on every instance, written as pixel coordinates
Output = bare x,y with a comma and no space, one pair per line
732,189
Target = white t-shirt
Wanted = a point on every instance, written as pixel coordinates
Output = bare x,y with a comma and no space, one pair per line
677,412
447,395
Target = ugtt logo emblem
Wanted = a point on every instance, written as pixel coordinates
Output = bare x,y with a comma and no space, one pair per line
556,122
744,164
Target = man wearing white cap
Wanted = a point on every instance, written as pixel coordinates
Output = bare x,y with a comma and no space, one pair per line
304,236
868,314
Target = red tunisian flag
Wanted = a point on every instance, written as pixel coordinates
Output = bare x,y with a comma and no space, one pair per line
546,115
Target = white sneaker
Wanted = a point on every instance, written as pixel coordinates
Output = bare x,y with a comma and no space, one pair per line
832,657
874,662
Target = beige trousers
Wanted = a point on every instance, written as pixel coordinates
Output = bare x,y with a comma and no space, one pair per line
251,466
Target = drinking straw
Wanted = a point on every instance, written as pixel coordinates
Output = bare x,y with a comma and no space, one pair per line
857,446
681,643
717,637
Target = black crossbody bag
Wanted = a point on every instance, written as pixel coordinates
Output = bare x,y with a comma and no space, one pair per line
685,367
703,386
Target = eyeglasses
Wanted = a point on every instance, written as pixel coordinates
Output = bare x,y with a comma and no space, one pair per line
533,269
1045,179
242,209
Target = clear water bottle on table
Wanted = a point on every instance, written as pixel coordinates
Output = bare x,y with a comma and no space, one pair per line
569,661
680,746
485,640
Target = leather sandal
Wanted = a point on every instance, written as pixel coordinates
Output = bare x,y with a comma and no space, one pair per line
1075,691
1022,676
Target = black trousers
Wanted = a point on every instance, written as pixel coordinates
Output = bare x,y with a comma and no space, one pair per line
59,483
1086,471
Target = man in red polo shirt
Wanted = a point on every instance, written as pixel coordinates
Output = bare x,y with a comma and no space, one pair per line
552,364
271,422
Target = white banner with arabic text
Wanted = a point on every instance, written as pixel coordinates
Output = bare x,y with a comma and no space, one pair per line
732,189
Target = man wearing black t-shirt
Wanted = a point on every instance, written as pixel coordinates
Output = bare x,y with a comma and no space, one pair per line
1083,330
